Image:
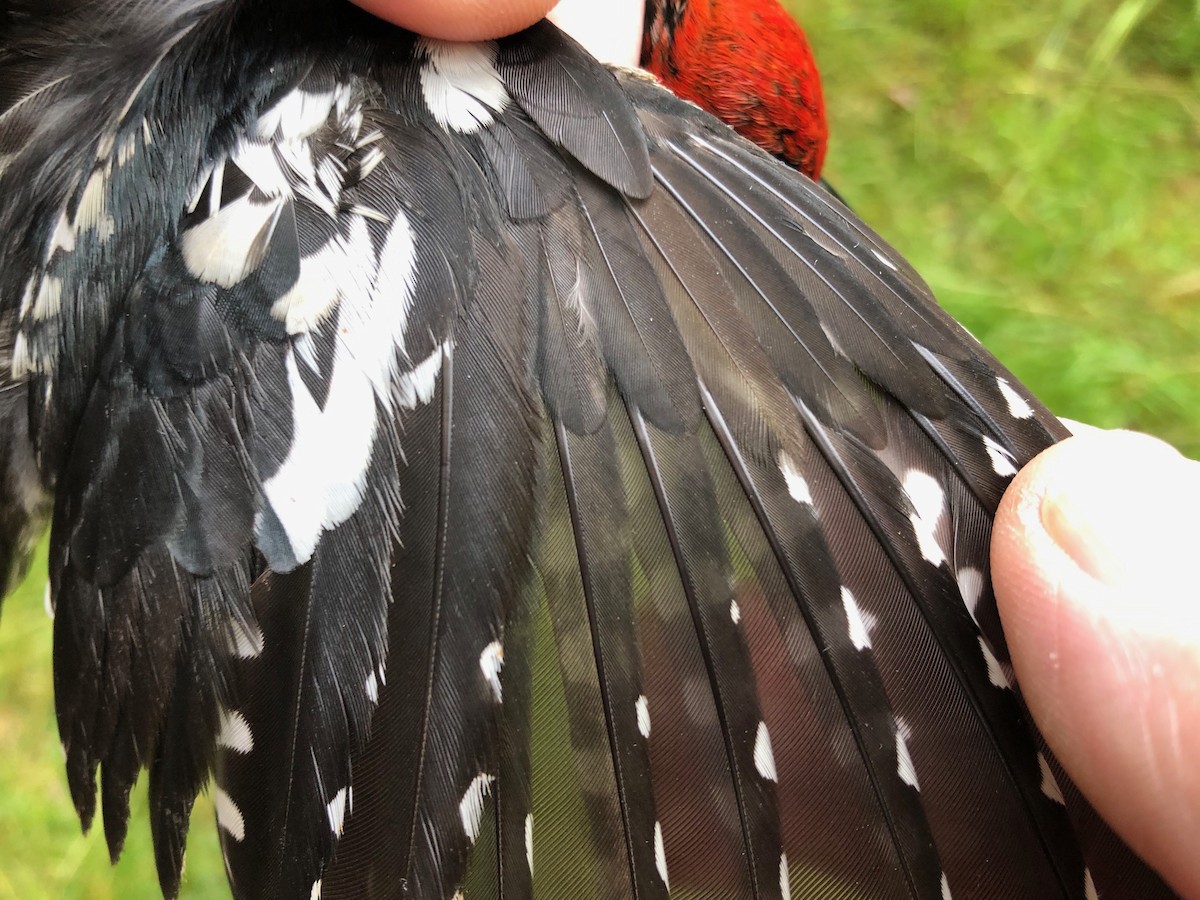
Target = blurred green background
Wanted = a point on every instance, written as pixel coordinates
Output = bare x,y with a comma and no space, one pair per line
1039,164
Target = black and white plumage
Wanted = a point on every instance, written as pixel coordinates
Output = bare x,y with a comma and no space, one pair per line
504,480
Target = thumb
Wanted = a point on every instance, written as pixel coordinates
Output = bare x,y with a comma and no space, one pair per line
460,20
1093,558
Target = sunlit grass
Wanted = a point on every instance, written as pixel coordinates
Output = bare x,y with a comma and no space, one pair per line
1040,165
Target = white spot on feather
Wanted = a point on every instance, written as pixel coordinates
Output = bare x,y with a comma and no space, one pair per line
48,602
297,115
22,358
735,611
93,213
1002,460
491,661
260,163
342,266
764,757
970,586
298,491
905,767
369,163
796,484
470,808
1089,886
63,237
996,674
49,299
1049,783
643,716
227,247
785,882
1018,406
460,84
529,841
229,816
315,893
246,639
860,631
946,888
126,149
660,855
29,294
929,503
372,687
104,146
883,259
336,811
235,733
416,387
322,480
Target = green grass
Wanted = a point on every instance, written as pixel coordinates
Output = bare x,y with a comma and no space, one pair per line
1040,166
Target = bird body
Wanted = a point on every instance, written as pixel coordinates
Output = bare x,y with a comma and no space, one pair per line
501,478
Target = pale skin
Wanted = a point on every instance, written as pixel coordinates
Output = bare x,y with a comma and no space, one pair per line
1094,556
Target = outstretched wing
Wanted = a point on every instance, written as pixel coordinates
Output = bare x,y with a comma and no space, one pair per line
508,481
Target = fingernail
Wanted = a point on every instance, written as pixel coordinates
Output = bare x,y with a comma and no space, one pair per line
1128,514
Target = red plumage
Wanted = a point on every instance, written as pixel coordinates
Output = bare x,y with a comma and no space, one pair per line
748,62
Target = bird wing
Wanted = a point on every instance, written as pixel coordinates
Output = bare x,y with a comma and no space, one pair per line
504,479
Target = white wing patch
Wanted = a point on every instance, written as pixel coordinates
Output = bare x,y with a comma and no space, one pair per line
1002,461
796,484
1018,406
321,482
1049,783
970,586
764,756
227,247
343,266
643,716
235,733
298,115
460,84
491,661
660,855
336,811
93,213
860,622
470,808
245,639
883,259
929,504
905,767
529,841
48,303
996,674
229,817
416,387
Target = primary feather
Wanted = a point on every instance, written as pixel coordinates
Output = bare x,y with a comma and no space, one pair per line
500,478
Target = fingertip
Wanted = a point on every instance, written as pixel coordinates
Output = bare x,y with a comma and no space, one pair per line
1092,556
460,20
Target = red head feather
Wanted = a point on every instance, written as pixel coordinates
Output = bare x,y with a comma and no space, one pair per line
748,62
